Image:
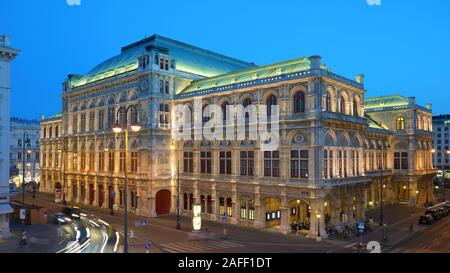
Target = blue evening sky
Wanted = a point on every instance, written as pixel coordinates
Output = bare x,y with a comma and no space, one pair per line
402,46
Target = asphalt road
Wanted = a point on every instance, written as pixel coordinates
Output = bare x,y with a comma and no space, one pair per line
432,239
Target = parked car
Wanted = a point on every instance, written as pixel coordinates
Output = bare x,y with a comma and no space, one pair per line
444,212
426,219
437,214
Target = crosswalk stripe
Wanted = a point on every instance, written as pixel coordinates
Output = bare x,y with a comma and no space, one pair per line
223,244
177,248
193,246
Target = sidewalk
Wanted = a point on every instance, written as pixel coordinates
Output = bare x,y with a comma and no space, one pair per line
40,239
164,226
397,218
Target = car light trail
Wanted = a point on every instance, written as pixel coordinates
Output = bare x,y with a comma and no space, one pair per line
94,223
103,222
117,241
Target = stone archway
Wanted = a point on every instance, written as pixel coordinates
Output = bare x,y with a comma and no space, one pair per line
300,211
163,202
272,211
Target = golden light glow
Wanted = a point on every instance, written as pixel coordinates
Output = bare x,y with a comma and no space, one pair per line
326,204
404,187
29,151
433,150
298,201
136,127
371,203
318,216
117,129
417,192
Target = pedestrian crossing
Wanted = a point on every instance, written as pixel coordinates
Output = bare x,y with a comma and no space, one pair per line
198,246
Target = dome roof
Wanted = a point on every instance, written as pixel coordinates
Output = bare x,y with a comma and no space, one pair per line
188,59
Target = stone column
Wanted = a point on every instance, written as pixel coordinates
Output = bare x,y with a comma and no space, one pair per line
336,210
284,208
317,208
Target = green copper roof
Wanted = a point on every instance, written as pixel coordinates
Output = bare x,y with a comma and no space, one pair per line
188,58
250,74
385,101
52,118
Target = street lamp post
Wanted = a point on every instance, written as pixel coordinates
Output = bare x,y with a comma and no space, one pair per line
173,147
25,140
135,127
318,224
111,186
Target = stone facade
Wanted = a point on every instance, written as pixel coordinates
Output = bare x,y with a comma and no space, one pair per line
7,55
32,151
325,170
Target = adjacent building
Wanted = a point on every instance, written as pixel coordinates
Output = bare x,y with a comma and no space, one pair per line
338,150
7,55
441,125
24,137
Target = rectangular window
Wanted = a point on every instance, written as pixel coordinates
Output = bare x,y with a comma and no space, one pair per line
91,120
164,63
101,119
225,162
272,164
401,161
299,164
83,161
111,160
325,164
74,161
340,163
111,117
188,166
205,162
251,210
122,161
243,209
83,122
134,162
247,163
101,161
91,161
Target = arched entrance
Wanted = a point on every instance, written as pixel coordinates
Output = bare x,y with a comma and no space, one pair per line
91,194
101,195
300,212
273,212
163,202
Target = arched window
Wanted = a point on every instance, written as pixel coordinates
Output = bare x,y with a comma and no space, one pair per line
271,100
299,102
355,108
342,105
246,103
206,115
224,110
400,123
327,103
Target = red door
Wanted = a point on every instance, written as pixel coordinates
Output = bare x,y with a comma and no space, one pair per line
163,202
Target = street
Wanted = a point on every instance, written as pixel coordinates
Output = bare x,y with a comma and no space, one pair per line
100,232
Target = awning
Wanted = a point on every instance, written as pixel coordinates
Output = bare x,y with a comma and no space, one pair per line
5,209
